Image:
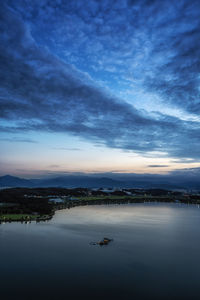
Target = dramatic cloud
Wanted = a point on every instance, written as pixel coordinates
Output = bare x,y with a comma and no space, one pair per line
155,44
47,52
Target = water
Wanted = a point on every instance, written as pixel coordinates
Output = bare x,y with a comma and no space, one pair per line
154,255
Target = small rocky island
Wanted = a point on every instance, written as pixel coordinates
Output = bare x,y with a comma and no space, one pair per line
104,242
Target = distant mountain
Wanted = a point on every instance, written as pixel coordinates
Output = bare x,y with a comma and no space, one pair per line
79,181
65,181
11,181
170,181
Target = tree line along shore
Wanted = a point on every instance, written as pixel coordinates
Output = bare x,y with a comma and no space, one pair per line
39,204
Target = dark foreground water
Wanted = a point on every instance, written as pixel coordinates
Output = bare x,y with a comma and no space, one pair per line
155,254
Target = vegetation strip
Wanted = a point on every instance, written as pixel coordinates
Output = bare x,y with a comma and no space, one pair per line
40,204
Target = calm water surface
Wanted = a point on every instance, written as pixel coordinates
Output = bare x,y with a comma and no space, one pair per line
154,255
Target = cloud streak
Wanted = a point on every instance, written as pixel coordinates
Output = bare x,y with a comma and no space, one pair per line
42,90
158,166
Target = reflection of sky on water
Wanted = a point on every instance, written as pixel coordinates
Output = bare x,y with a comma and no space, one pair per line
145,213
155,253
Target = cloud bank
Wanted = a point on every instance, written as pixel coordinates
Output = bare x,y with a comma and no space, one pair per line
42,87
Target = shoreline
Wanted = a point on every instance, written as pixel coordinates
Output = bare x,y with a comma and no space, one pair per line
28,218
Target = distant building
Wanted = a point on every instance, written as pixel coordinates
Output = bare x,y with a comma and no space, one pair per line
109,190
56,200
73,198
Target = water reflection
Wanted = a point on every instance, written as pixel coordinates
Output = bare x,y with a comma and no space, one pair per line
154,254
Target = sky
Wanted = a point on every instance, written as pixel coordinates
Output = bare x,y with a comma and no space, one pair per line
99,86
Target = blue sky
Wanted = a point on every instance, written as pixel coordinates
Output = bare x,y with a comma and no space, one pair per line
99,86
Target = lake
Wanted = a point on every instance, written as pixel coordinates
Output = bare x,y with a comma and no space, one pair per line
154,255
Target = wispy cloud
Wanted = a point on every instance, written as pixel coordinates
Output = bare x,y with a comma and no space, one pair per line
42,89
18,140
67,148
54,166
158,166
